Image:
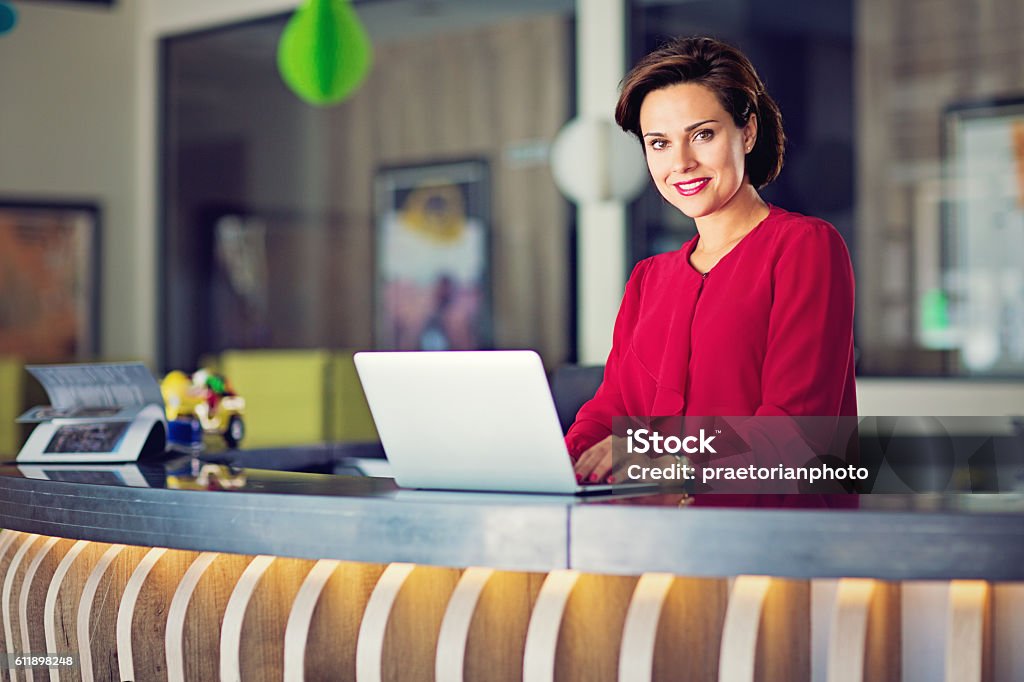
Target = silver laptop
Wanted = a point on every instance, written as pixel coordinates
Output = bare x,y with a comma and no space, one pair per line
469,420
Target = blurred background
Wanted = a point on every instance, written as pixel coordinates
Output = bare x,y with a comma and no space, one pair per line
165,196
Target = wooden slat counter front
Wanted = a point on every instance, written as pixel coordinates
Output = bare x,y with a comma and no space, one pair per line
270,575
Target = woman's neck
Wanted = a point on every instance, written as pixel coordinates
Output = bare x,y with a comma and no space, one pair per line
733,221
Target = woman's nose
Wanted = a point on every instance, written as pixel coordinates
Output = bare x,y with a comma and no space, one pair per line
682,160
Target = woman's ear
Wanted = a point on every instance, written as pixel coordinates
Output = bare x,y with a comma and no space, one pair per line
750,134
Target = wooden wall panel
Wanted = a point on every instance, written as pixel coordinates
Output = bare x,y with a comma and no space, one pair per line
152,614
475,93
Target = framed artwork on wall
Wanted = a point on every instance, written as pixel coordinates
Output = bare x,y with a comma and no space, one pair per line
49,280
432,285
979,301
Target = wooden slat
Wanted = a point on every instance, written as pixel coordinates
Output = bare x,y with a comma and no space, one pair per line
410,641
591,632
34,594
142,616
673,628
21,555
320,638
252,633
694,613
7,539
32,600
483,636
196,614
373,628
766,635
451,640
96,621
400,627
63,596
576,627
126,613
542,635
865,634
969,632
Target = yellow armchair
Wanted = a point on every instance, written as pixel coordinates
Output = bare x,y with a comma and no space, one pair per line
286,394
350,420
12,403
299,397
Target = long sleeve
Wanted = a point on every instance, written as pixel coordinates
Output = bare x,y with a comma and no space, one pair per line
594,420
808,360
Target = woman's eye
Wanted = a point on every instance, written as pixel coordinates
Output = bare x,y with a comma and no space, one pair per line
703,134
657,144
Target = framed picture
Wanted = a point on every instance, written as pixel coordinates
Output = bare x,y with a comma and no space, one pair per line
980,298
49,281
432,250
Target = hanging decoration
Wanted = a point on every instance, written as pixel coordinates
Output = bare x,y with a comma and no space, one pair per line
593,160
324,53
8,17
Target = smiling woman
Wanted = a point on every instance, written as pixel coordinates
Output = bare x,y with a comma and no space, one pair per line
754,315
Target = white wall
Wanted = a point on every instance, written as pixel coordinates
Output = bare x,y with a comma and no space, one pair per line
78,106
67,130
168,17
939,397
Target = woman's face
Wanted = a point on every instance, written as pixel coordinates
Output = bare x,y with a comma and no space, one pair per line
694,151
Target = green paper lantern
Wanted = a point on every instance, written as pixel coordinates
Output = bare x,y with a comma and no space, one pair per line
324,53
934,311
8,17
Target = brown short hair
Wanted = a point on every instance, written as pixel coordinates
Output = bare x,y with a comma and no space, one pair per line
725,71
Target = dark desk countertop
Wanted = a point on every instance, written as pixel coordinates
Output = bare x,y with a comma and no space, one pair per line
253,511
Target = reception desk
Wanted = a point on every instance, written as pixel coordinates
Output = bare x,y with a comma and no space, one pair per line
199,573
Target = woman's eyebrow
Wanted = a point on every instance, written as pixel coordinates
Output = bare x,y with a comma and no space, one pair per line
686,129
699,123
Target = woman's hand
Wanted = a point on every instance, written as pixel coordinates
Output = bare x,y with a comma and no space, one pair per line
595,464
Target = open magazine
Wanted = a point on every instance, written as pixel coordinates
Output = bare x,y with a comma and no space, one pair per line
97,413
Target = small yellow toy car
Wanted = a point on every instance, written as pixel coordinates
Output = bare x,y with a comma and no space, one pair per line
207,398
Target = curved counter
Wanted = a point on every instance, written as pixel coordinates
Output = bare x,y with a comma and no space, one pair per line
318,516
302,573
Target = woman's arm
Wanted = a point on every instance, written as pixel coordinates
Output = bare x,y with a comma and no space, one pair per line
808,357
594,420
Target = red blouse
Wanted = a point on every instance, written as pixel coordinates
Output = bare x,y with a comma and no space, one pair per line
768,331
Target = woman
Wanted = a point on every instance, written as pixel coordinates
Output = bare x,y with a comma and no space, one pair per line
754,315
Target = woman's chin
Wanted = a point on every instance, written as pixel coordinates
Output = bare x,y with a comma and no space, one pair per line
694,209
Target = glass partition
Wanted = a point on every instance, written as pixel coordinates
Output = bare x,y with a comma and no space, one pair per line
271,227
